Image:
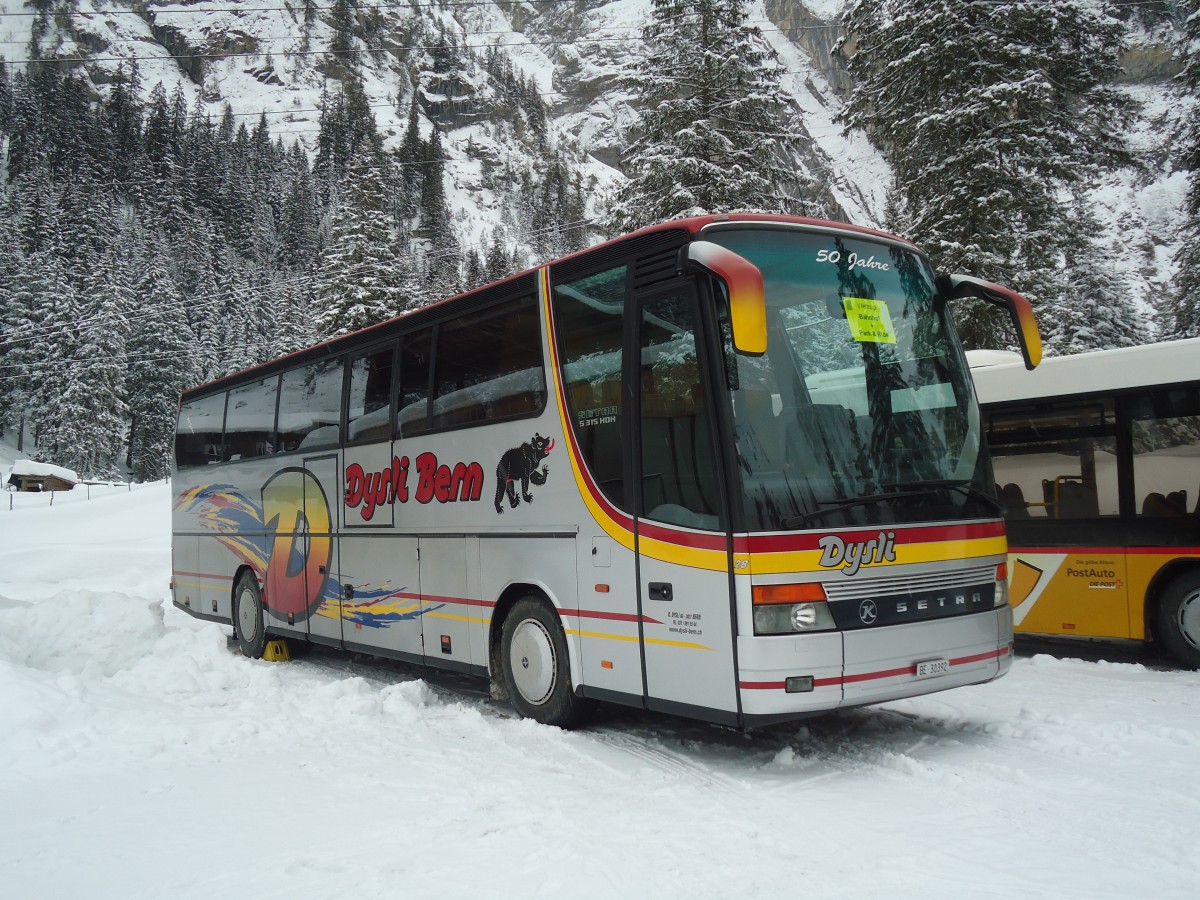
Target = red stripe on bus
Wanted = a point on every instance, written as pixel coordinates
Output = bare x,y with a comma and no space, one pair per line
611,616
460,601
784,543
871,676
691,539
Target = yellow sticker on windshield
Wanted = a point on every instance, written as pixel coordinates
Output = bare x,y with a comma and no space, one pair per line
869,320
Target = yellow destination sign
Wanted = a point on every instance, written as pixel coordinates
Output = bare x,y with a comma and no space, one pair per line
869,320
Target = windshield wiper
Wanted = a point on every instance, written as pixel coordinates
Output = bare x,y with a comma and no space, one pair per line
805,518
896,490
939,484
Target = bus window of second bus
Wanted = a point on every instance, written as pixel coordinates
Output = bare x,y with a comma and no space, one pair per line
1166,453
1056,461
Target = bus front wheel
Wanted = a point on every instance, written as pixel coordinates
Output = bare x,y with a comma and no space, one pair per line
537,672
248,624
1178,619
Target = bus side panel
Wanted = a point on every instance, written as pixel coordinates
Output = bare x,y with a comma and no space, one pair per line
447,601
187,581
606,626
382,587
217,564
547,565
1069,592
688,634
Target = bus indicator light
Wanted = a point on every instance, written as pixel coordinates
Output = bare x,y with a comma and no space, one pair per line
805,592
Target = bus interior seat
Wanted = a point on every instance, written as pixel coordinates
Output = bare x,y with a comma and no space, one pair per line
1013,499
1077,500
761,429
676,463
514,404
1158,504
459,414
1178,500
600,441
826,433
837,426
581,396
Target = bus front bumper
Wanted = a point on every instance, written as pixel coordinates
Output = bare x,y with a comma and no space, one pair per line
788,677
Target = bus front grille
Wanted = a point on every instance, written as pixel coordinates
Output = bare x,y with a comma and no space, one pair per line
862,588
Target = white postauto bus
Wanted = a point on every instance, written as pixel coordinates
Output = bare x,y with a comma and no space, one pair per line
728,467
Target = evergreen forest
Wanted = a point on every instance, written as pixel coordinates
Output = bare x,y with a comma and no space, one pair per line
153,238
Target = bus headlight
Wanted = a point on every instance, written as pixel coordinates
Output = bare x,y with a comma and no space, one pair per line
1001,585
791,609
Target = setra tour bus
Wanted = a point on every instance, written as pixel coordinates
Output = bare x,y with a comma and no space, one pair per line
728,467
1099,458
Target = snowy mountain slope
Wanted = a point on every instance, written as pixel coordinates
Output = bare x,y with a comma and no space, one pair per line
141,756
273,58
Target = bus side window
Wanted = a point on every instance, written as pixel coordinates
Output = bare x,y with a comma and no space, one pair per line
412,406
488,365
198,434
250,420
589,324
1166,452
310,403
1056,460
369,404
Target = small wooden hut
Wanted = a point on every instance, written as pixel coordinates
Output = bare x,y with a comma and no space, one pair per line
27,475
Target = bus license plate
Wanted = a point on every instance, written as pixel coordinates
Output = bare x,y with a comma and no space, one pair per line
928,668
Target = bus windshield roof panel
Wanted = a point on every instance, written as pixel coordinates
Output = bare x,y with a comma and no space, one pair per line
1098,371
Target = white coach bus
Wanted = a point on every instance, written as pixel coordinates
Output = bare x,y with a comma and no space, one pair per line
728,467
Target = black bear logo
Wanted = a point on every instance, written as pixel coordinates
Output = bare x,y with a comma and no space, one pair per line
522,463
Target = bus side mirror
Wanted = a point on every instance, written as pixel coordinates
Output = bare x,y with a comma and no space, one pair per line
952,287
747,300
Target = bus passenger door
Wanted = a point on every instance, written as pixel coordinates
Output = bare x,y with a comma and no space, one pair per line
683,542
321,491
380,578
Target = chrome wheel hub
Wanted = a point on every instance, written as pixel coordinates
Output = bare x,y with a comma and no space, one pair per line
532,662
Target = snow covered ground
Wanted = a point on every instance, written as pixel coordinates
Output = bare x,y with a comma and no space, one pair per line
141,757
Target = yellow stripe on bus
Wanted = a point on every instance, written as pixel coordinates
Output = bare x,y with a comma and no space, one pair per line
906,554
693,557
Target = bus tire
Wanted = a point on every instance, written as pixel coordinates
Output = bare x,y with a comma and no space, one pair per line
537,670
248,621
1177,619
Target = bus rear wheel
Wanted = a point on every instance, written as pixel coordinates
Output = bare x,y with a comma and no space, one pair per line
248,620
1178,619
537,671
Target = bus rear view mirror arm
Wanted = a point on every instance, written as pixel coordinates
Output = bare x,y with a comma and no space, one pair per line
747,299
953,287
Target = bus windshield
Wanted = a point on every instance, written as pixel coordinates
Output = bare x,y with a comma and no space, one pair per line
860,411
